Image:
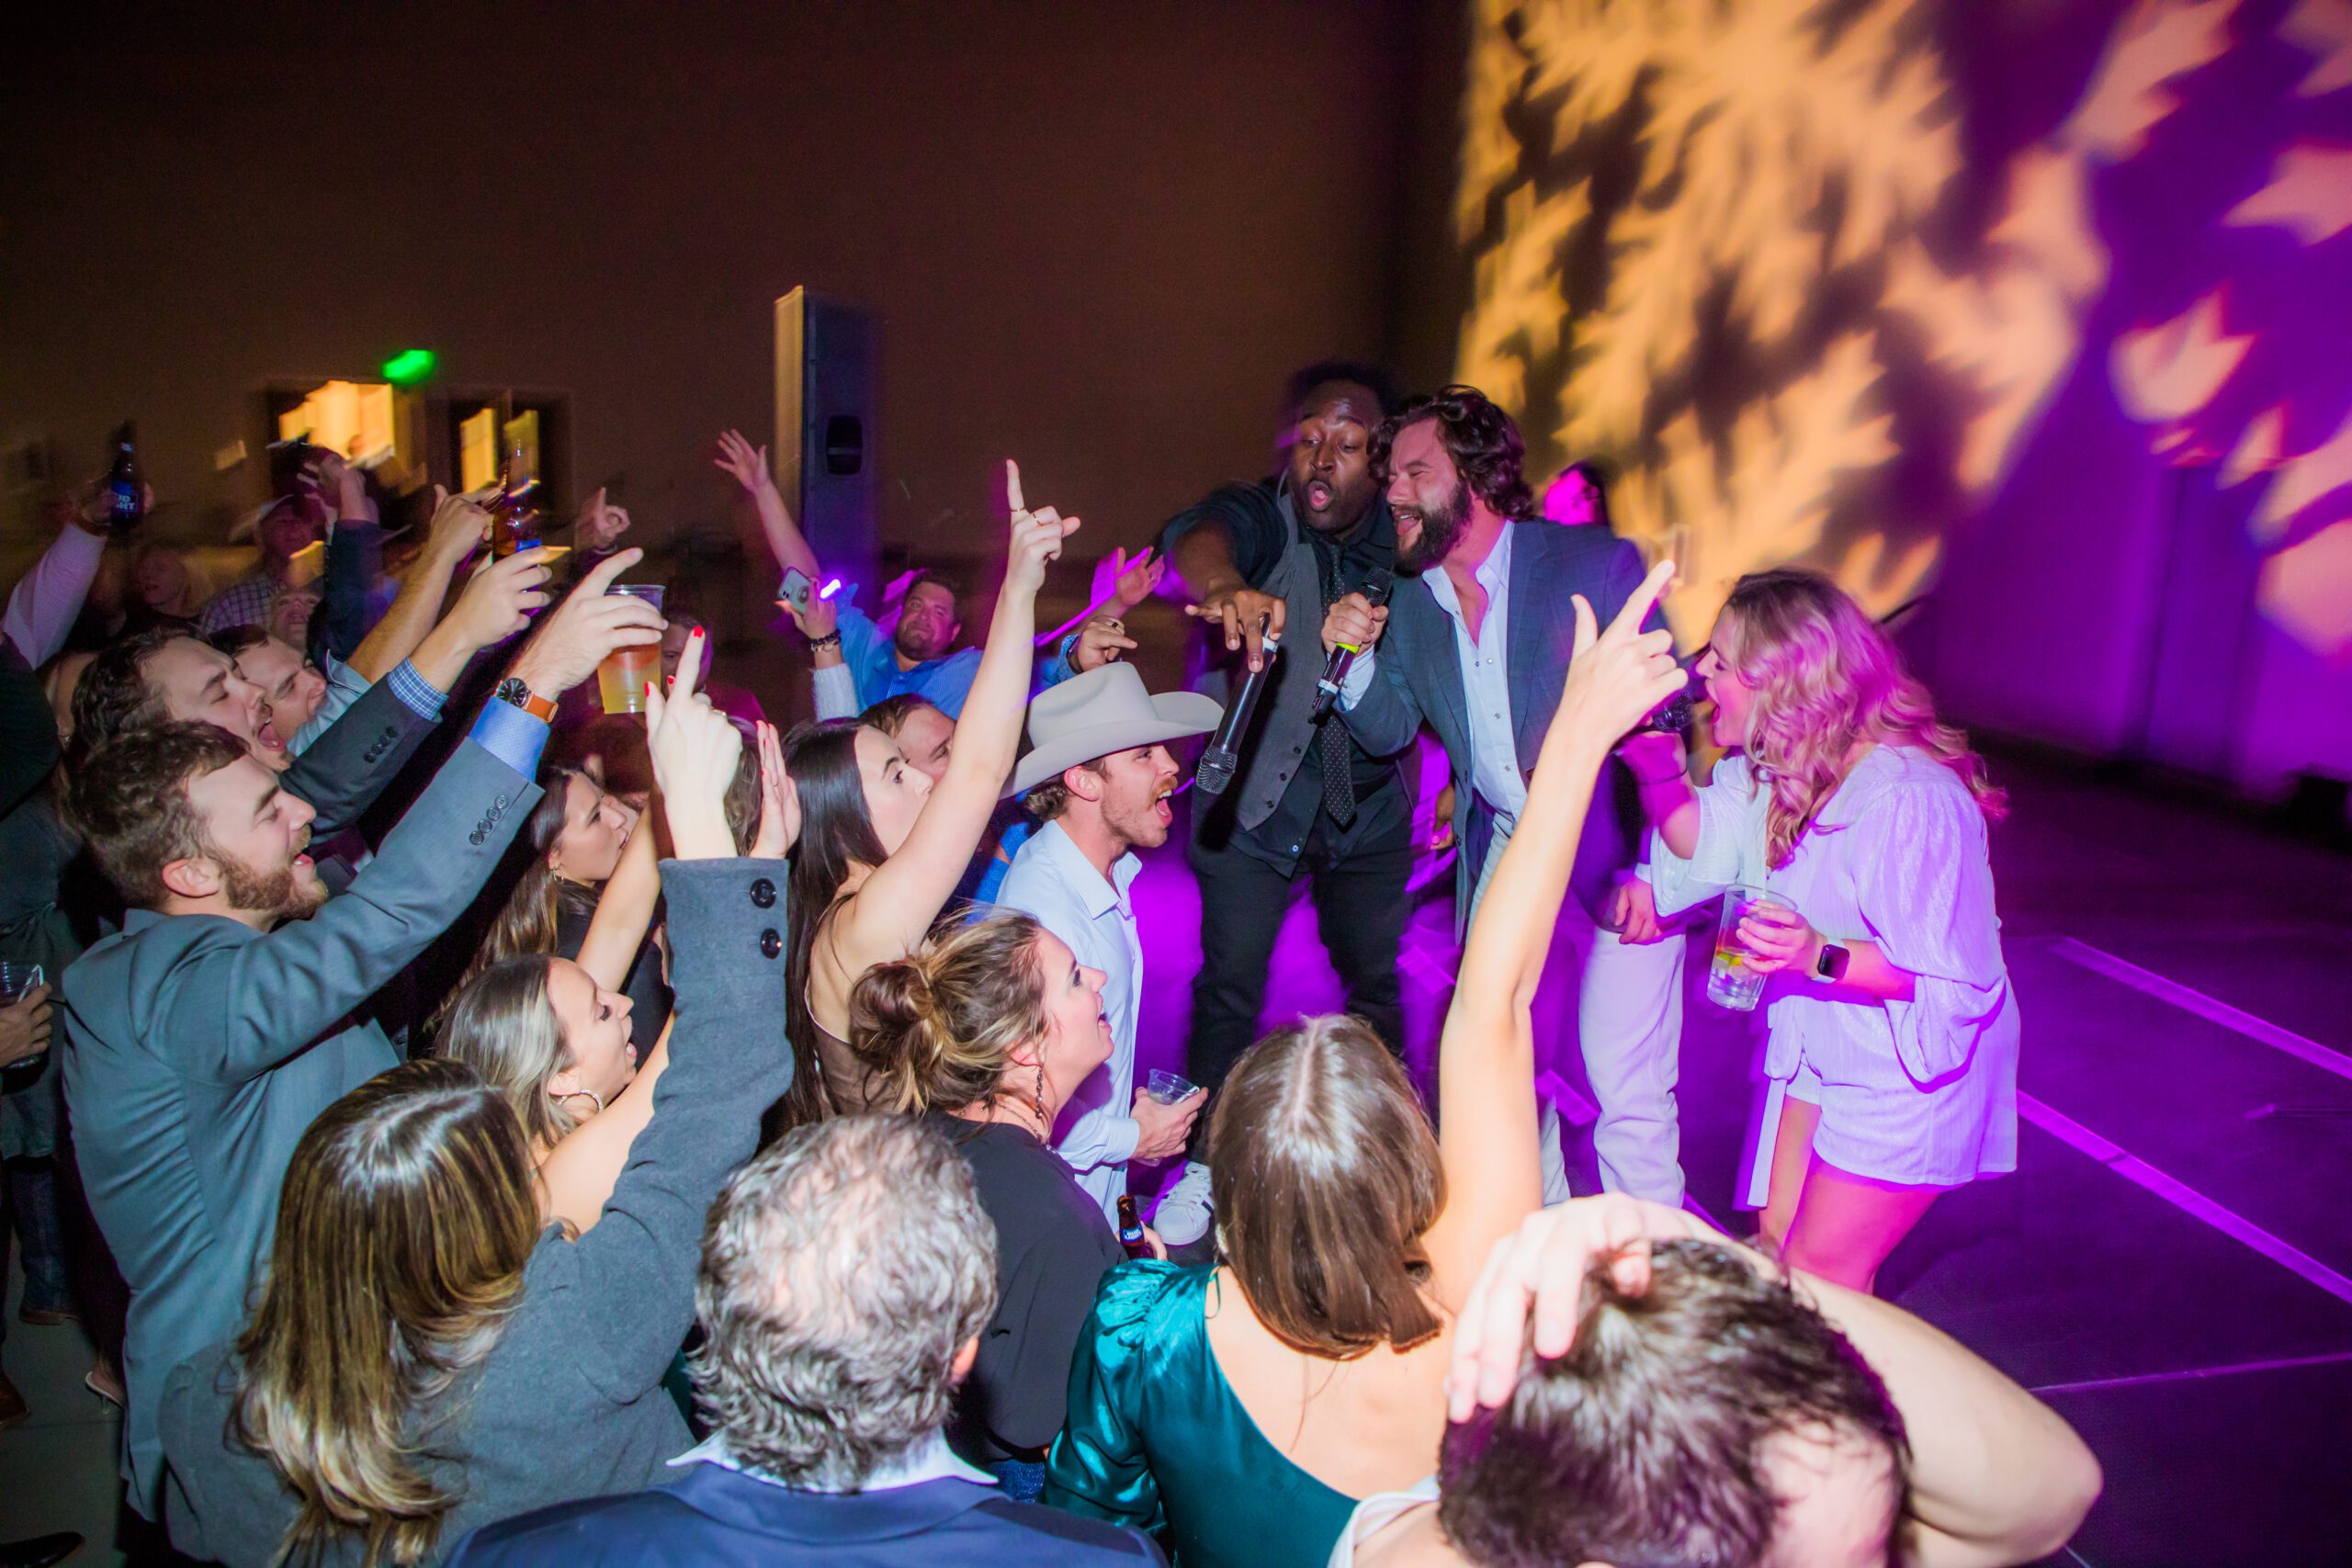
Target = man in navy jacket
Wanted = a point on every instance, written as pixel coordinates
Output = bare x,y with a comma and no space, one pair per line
831,1379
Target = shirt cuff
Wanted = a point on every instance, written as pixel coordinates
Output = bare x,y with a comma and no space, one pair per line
509,734
836,692
1357,681
422,697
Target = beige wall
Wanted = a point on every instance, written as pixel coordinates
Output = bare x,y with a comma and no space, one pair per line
1097,235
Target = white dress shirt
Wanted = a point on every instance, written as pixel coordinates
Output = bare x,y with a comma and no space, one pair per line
1485,682
1052,879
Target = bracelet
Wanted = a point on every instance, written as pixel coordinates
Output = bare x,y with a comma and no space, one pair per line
830,639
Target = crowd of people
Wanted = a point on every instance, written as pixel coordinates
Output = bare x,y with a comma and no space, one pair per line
476,1128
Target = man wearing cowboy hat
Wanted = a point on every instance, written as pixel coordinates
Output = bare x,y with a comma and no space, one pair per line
1098,775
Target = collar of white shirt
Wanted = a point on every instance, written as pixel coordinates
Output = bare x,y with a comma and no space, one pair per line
931,1460
1493,575
1074,871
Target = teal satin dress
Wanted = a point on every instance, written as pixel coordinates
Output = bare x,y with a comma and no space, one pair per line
1155,1437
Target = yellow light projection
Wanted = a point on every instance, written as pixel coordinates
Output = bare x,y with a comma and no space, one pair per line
1705,244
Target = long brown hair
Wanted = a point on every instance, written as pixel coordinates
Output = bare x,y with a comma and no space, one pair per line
836,835
503,1025
937,1029
1826,678
1324,1176
406,1218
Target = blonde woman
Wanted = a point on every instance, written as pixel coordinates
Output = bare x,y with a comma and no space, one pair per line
1894,1032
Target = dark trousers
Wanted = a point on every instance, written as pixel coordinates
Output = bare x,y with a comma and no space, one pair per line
1359,910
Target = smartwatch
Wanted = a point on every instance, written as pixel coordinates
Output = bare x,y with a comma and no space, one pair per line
513,689
1831,966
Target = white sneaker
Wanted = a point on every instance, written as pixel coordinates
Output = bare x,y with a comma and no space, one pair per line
1183,1217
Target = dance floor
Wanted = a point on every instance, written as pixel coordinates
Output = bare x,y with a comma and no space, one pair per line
2171,1265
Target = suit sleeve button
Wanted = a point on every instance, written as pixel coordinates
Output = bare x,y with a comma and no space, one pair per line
763,893
770,943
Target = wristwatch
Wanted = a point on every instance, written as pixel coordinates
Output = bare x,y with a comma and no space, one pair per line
513,689
1831,966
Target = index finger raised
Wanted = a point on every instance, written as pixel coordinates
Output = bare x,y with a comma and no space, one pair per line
681,685
1642,600
600,579
1013,488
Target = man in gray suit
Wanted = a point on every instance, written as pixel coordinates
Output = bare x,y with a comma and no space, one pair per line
1476,641
203,1040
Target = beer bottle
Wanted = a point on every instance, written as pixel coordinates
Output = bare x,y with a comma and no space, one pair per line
515,515
1131,1236
126,486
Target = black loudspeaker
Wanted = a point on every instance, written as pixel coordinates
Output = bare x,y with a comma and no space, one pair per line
827,363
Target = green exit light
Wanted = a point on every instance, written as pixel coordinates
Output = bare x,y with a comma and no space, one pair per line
409,367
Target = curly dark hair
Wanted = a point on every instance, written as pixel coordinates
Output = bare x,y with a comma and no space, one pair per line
1482,440
114,697
129,799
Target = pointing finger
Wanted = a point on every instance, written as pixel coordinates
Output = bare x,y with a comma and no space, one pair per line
1644,599
1013,488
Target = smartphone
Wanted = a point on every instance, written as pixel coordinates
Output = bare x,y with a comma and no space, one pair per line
795,590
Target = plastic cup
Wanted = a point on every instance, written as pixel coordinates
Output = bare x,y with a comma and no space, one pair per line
624,674
1730,982
16,979
1167,1087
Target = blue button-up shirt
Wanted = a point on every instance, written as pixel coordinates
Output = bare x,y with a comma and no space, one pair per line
873,663
1052,879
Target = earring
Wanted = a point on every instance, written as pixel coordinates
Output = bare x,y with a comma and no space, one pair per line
576,1093
1042,1115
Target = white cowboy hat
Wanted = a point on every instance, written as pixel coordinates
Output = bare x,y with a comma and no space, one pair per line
1102,711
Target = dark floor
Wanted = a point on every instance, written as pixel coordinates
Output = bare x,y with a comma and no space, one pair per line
2171,1264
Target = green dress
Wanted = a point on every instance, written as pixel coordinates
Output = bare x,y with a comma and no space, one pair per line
1155,1437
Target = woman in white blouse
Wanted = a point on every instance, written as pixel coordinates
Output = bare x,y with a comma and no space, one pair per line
1894,1032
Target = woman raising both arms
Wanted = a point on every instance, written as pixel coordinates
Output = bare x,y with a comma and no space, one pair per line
882,846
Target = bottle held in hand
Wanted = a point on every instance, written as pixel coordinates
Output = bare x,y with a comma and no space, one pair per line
514,514
1131,1237
126,486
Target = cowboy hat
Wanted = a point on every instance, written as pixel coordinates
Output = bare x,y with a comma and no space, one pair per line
1102,711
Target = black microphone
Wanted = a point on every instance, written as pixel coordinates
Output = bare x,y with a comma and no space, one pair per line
1376,588
1223,757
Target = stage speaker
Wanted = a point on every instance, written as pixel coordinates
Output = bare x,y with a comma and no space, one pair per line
827,363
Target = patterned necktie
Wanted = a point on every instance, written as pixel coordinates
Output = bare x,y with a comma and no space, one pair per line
1339,766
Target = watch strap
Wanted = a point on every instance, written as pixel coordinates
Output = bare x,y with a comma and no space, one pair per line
513,689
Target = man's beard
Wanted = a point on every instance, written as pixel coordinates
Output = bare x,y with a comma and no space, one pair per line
1139,826
276,893
905,642
1439,530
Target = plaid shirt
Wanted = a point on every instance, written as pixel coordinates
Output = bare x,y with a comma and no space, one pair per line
245,603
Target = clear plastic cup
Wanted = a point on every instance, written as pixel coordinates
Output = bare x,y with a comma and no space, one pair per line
624,674
1730,982
1167,1087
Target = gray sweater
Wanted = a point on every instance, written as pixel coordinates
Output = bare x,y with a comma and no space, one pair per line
569,1403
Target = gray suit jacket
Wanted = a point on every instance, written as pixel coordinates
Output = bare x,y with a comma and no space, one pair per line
1420,678
346,768
569,1403
197,1050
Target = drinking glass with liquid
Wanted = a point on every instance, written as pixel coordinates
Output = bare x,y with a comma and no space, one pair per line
624,673
15,980
1730,982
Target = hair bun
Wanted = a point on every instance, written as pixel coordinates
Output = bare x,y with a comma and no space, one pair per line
894,1021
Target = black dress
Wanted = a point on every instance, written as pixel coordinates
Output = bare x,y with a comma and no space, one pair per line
1053,1246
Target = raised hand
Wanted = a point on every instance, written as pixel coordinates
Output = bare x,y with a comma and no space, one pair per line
1101,641
822,618
458,528
1036,537
747,463
695,749
1618,676
498,600
1121,584
1543,1265
599,525
779,799
586,627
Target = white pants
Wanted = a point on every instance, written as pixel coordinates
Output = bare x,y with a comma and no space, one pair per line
1629,1024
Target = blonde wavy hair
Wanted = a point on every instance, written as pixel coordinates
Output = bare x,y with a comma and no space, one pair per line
1825,677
